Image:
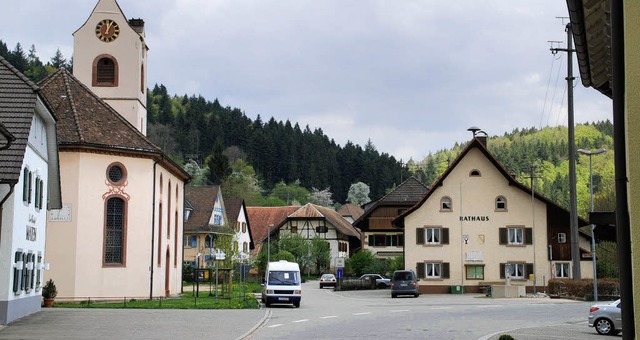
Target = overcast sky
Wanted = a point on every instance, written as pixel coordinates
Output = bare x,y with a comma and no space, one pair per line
412,76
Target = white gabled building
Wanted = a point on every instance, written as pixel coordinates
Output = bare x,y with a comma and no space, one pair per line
29,186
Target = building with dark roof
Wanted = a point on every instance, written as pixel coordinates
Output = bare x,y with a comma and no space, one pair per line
378,234
29,187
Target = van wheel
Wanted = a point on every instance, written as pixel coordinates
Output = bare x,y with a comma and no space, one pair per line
267,303
296,304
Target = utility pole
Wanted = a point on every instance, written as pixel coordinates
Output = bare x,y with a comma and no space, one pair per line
573,205
533,223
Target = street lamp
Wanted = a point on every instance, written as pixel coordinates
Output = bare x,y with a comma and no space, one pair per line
593,226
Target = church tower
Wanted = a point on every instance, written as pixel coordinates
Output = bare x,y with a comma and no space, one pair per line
110,57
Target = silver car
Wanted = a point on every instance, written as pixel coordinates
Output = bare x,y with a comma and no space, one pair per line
606,318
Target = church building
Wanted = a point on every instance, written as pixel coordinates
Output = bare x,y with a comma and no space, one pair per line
119,232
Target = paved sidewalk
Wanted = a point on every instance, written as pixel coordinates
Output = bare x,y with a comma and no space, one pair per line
95,324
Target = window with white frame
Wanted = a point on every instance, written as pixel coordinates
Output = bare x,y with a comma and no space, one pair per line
190,241
433,270
561,269
515,270
562,238
515,236
433,235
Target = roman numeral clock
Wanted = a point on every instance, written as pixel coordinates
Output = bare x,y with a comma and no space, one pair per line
107,30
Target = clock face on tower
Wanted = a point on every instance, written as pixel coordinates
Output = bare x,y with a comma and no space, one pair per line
107,30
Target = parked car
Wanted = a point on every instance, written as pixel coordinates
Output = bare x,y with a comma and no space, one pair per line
327,280
381,281
404,282
606,318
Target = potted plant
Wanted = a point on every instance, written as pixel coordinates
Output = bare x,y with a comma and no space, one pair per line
49,292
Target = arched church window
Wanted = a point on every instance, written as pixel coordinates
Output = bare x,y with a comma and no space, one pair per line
115,231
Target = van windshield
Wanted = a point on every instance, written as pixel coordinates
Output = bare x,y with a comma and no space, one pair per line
284,278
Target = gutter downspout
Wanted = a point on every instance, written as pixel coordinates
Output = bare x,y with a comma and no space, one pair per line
153,222
623,229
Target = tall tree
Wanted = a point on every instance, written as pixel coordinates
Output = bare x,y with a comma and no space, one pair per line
218,163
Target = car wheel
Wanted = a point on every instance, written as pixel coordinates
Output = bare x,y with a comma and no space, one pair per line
382,286
604,326
393,296
415,295
320,286
267,303
296,304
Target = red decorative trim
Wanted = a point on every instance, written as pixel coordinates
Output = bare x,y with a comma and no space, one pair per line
116,190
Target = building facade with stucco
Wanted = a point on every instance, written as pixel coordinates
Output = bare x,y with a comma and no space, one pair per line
119,232
29,187
478,226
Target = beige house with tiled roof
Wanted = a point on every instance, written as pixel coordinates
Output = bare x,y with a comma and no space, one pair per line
29,187
478,225
378,234
204,224
119,232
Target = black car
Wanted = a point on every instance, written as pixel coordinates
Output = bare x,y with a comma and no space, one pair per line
404,282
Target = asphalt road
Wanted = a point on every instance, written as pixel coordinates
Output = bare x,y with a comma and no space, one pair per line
325,314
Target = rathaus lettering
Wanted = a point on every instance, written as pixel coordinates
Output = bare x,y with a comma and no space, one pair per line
474,218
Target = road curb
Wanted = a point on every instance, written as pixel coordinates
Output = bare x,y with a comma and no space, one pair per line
265,317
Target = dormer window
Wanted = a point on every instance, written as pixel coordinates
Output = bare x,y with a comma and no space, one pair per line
445,204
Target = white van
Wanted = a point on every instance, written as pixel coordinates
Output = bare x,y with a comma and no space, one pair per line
282,283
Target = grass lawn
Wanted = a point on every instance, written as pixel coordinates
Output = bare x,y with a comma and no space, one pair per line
242,297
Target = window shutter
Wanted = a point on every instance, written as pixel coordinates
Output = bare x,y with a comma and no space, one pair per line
370,240
25,185
529,268
419,235
503,236
30,189
445,270
528,235
502,270
445,235
420,270
41,193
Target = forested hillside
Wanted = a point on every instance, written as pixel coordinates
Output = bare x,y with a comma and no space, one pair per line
275,162
547,151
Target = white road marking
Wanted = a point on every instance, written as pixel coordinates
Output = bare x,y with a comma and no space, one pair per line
303,320
329,317
365,313
399,310
276,325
